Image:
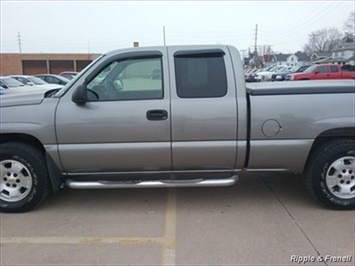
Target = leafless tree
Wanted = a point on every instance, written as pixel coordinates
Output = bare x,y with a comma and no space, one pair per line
323,40
349,28
350,23
264,49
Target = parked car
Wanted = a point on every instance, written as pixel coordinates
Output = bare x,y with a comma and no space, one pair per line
35,81
282,76
2,90
261,75
323,71
53,79
202,131
7,82
250,77
278,70
10,85
68,74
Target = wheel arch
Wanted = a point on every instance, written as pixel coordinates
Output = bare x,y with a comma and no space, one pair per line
330,135
24,138
55,176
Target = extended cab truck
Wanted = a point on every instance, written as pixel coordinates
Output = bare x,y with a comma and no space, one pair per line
175,116
327,71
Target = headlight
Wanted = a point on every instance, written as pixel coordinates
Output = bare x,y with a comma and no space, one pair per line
292,77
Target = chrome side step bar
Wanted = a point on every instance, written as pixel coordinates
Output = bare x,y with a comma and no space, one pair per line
152,184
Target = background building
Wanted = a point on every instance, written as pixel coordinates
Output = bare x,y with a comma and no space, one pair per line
31,64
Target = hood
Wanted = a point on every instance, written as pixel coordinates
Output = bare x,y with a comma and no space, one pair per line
10,98
49,86
264,73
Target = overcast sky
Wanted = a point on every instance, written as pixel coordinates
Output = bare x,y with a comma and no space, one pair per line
100,26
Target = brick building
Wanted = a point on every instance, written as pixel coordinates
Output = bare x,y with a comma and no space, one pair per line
31,64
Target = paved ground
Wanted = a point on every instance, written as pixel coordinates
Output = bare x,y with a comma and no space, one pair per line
262,220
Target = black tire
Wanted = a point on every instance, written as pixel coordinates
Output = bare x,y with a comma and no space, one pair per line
329,175
23,173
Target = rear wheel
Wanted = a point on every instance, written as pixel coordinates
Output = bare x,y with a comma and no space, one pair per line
330,174
24,177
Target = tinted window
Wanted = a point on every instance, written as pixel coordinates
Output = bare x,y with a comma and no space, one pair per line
323,69
22,80
52,80
131,79
334,69
200,76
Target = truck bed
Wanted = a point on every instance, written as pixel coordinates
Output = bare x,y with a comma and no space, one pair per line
301,87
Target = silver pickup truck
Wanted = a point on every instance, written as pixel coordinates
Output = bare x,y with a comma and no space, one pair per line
175,116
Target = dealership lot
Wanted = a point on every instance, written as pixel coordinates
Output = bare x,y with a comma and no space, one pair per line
264,219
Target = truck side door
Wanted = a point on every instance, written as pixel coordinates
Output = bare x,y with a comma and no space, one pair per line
203,108
327,72
125,123
335,72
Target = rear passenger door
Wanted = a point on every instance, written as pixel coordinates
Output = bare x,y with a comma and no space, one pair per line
203,109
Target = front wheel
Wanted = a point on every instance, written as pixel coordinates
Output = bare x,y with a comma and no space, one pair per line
24,177
330,174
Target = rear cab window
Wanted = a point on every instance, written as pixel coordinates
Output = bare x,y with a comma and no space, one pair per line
334,69
200,75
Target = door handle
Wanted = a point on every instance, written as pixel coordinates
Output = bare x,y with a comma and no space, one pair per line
155,115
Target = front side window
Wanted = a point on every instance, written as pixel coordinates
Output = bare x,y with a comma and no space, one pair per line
323,69
130,79
200,75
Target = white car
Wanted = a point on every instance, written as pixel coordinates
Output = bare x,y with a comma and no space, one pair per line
34,81
260,76
266,76
9,85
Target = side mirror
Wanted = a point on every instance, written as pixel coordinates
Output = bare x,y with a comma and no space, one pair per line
80,96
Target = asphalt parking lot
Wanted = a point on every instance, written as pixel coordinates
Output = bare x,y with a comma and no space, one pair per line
264,219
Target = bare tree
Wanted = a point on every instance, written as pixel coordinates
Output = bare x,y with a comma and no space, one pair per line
349,28
350,23
264,49
323,40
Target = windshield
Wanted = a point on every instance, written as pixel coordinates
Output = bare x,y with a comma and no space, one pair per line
293,69
78,76
37,81
271,69
281,69
302,68
310,69
12,83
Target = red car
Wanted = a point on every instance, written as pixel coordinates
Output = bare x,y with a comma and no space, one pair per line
325,71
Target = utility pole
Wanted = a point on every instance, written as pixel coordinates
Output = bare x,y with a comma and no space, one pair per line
19,42
242,54
164,36
256,39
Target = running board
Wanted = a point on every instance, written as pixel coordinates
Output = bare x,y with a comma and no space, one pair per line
152,184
